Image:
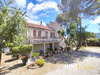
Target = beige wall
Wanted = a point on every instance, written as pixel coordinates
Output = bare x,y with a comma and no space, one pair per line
30,32
56,26
39,47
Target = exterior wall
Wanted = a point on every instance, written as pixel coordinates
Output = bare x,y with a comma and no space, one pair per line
39,47
55,26
30,32
56,45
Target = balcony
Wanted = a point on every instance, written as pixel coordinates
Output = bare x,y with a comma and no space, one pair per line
41,40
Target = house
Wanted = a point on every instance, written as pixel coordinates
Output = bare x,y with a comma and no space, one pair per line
44,37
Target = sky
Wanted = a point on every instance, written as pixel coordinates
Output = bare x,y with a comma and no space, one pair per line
47,10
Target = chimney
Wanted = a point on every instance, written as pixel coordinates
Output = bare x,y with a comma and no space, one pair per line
40,22
50,22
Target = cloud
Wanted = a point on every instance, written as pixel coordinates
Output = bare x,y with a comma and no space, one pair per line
44,6
30,6
95,21
21,3
34,21
44,15
39,0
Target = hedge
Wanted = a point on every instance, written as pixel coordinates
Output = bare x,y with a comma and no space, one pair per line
93,42
9,45
26,49
15,51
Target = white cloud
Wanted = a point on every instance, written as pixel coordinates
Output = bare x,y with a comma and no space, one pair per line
95,21
44,15
39,0
21,3
35,21
44,6
30,6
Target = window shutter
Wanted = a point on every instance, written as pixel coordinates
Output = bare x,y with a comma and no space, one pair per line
34,33
39,33
54,34
50,34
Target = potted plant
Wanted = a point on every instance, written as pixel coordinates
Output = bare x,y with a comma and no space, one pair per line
40,62
35,55
25,51
47,53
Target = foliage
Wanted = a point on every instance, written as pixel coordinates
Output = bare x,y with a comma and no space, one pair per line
47,51
26,49
62,33
93,42
35,54
12,23
15,51
58,31
56,49
40,61
9,45
75,11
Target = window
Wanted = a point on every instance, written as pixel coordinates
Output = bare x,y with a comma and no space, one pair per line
46,34
37,33
52,35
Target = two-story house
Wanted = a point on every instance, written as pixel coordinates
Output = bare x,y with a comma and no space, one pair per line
43,37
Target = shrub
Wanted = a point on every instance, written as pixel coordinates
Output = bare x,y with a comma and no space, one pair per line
15,51
68,48
9,45
47,51
93,42
40,62
61,47
26,49
55,49
35,54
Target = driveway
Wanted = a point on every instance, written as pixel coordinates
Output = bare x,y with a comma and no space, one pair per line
86,62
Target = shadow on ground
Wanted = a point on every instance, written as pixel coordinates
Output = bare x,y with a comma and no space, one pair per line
71,57
15,66
4,71
10,60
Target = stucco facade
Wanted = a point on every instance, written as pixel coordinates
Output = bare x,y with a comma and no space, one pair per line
43,37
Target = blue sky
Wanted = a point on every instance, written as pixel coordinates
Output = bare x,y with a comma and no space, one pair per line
47,10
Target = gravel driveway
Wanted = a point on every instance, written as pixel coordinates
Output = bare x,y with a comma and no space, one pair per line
86,63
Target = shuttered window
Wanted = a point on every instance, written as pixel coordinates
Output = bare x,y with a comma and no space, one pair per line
34,33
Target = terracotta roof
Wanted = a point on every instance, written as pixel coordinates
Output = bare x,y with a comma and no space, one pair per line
39,26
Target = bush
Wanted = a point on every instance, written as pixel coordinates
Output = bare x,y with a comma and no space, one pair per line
9,45
68,48
47,51
35,55
40,62
15,51
93,42
55,49
61,47
26,49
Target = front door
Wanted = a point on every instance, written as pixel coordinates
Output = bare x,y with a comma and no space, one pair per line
51,46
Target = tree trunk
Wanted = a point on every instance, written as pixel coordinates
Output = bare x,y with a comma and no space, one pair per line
0,54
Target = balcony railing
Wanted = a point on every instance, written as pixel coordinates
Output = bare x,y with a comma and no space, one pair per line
44,40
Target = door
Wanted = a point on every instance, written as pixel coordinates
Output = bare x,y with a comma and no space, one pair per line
50,46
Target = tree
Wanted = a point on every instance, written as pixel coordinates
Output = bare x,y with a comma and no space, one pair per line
77,10
12,23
